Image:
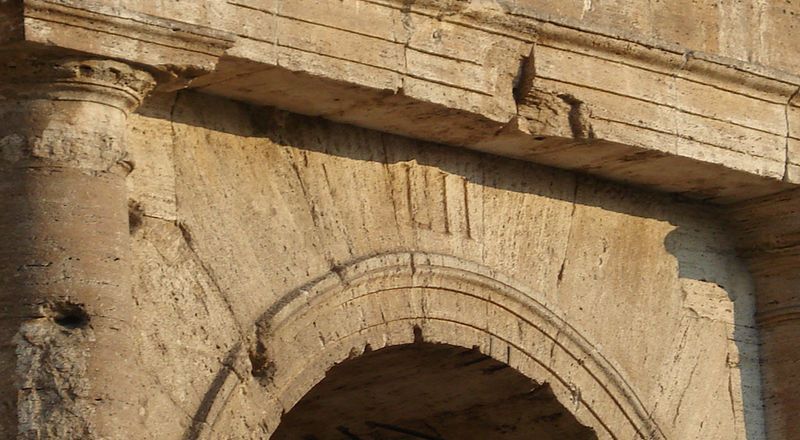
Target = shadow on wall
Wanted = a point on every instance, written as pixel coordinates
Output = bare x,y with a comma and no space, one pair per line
315,134
717,292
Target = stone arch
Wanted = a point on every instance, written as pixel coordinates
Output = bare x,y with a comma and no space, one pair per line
396,299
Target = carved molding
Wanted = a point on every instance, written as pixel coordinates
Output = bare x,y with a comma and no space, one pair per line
392,299
175,51
409,69
113,83
67,111
647,109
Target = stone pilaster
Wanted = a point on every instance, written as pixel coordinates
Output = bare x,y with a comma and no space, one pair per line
66,311
769,235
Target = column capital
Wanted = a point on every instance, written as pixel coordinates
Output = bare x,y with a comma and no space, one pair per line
107,82
67,111
174,50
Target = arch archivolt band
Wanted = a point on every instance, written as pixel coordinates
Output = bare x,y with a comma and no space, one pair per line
395,299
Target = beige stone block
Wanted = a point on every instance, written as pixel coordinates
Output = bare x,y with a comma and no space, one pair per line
606,15
572,9
736,29
696,98
603,73
663,128
453,97
202,12
771,45
404,112
660,88
268,6
460,42
231,68
256,23
731,159
793,167
356,16
340,44
151,184
793,116
643,138
735,76
471,78
381,77
669,24
608,105
755,143
173,287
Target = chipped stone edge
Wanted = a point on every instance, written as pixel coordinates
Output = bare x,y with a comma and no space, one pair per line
176,51
506,133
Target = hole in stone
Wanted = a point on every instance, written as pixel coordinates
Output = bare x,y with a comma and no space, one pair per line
539,138
85,70
135,215
418,338
70,315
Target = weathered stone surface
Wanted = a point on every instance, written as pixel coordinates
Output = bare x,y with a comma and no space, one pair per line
648,106
655,100
769,230
302,205
263,248
65,267
174,50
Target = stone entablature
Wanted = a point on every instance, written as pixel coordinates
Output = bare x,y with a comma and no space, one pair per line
513,85
509,79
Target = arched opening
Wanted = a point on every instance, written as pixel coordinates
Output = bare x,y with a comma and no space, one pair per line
428,391
402,302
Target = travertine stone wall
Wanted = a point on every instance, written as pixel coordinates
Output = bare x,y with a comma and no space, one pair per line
521,80
768,230
269,246
750,30
234,208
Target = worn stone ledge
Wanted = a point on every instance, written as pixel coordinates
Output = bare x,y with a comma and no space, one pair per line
523,86
502,79
174,50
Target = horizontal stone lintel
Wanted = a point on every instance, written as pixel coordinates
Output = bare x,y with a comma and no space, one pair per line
498,80
523,87
175,51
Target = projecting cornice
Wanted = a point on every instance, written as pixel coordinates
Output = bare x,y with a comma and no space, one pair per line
509,82
175,51
499,78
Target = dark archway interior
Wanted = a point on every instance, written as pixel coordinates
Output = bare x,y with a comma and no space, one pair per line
428,391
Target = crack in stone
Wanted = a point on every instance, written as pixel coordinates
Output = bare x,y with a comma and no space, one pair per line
788,133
